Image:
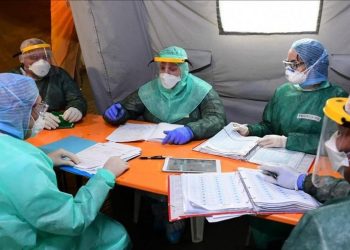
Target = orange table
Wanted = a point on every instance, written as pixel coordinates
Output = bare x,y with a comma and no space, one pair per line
146,175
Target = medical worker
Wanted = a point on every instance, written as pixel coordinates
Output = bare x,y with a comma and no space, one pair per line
55,85
293,117
34,214
325,227
176,96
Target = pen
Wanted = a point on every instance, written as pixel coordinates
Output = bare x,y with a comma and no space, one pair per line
154,157
269,173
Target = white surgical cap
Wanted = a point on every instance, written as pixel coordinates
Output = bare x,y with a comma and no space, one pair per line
17,96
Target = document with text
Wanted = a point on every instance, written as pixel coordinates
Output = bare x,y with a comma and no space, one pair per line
232,194
229,143
141,132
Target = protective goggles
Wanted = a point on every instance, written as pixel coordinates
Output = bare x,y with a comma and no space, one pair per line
40,108
292,64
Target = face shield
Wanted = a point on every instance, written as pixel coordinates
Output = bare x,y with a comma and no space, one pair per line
334,147
37,60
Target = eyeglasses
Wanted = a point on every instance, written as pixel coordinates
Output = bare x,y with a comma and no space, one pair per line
40,108
293,64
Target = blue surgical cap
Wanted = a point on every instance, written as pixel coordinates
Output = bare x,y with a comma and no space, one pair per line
314,55
17,96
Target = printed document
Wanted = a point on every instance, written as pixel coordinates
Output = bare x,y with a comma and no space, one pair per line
94,157
229,143
227,195
141,132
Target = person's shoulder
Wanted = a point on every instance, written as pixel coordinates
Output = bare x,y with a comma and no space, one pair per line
337,90
286,87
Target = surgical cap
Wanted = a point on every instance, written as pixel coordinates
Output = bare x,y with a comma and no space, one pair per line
173,52
18,94
314,55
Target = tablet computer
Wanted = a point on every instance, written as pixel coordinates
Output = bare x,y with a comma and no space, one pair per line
191,165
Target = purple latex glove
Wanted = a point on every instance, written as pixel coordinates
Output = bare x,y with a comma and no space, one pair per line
178,136
115,112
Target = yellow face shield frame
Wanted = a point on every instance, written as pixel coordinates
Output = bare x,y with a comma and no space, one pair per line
35,46
168,59
334,110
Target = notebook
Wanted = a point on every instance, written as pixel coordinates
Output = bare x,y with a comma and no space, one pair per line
229,143
91,154
232,194
141,132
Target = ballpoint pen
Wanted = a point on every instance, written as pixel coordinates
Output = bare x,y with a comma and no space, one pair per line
270,173
154,157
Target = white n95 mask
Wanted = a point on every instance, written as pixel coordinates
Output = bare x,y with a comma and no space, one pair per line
339,160
295,76
168,81
40,68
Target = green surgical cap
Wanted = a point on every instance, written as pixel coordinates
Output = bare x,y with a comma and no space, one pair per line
173,52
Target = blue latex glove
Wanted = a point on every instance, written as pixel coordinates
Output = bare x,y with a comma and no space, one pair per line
115,112
178,136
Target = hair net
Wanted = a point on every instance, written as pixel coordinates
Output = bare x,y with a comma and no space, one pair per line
315,57
18,95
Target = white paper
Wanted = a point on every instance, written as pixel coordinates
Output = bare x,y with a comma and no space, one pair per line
141,132
214,192
270,197
94,157
229,143
229,195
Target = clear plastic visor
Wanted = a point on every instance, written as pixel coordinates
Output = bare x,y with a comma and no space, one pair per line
37,54
332,154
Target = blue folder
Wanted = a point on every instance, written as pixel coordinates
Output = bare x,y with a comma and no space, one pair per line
73,144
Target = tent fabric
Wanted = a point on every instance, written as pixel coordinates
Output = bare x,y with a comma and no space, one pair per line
119,38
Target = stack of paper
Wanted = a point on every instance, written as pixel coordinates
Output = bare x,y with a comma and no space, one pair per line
229,143
270,198
231,195
141,132
94,157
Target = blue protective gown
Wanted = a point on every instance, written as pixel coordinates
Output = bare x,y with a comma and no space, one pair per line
35,214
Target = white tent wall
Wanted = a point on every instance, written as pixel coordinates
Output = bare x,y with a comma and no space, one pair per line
119,38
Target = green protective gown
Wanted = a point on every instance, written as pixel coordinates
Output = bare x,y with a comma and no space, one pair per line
327,226
34,214
59,90
205,120
297,115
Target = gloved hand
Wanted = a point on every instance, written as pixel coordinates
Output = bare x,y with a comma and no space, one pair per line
63,157
51,121
72,115
116,165
178,136
273,141
242,129
115,112
284,176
